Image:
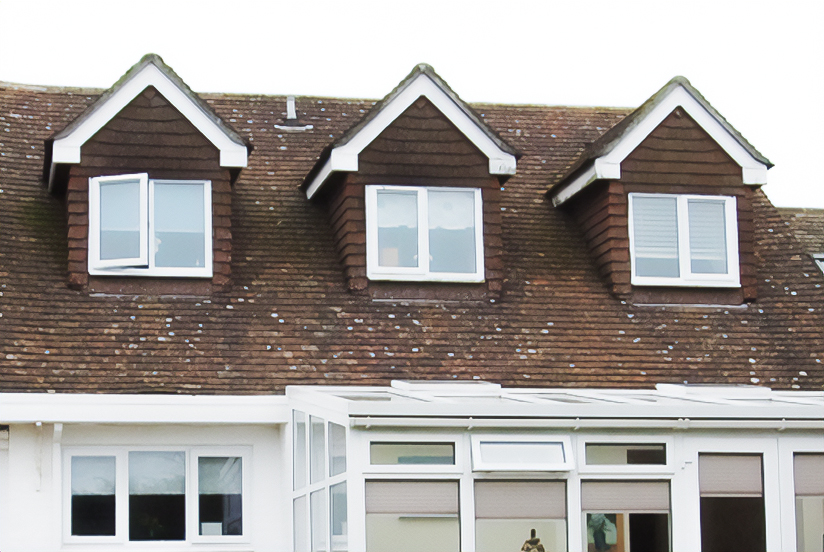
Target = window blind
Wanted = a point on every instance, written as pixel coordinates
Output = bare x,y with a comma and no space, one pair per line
708,242
655,235
809,474
411,497
725,475
520,500
622,496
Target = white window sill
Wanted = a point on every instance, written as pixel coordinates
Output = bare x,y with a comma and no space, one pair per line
424,278
156,273
681,282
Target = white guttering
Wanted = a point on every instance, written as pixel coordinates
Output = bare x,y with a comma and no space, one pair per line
369,422
141,409
345,156
67,148
608,166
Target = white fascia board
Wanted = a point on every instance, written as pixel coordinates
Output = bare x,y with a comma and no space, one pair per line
345,157
67,149
319,179
142,409
753,171
576,185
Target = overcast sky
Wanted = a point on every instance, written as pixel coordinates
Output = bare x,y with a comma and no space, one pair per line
761,64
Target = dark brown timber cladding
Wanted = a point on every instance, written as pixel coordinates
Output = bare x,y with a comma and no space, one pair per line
420,148
678,157
149,135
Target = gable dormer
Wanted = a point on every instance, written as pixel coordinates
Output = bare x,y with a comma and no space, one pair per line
413,192
664,199
147,173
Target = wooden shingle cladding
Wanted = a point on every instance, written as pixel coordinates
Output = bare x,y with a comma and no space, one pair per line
289,317
678,157
420,148
148,136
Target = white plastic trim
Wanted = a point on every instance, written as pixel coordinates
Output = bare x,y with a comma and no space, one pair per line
420,273
608,166
142,409
67,149
344,157
689,279
128,267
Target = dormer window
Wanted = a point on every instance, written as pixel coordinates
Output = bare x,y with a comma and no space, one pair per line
683,240
424,234
144,227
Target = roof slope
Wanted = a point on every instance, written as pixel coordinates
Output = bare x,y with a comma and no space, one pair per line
808,226
290,319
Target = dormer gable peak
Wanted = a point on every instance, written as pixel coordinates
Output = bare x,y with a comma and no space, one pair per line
423,81
150,71
602,159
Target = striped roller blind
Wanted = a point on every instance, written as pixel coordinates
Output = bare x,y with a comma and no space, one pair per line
411,497
520,500
725,475
655,235
623,496
809,474
708,241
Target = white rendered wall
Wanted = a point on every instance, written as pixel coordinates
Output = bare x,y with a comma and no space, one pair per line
31,486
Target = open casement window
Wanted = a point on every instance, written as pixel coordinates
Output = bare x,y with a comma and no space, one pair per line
424,234
521,453
117,496
683,240
626,516
144,227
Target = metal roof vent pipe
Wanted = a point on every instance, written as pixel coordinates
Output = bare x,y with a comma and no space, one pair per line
291,122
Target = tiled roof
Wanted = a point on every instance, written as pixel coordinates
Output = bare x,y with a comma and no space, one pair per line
290,319
808,226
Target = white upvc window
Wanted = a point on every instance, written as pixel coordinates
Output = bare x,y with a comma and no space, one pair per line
144,227
521,453
683,240
417,233
115,495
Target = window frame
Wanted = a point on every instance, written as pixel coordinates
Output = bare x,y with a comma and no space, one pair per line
732,279
420,273
121,455
144,264
480,465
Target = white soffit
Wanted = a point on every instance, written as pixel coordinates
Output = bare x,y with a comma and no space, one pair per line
345,156
608,166
67,148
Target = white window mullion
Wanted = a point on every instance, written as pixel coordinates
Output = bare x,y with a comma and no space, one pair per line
122,496
150,224
423,231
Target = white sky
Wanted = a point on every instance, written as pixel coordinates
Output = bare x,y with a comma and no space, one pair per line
761,64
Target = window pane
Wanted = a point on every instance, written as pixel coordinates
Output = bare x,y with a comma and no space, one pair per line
301,528
603,454
809,523
317,449
179,226
317,504
412,453
337,449
730,523
495,535
522,453
708,243
220,495
93,495
451,231
655,236
157,500
397,228
120,220
339,517
299,449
